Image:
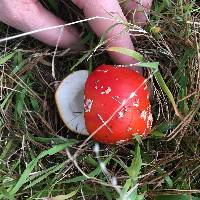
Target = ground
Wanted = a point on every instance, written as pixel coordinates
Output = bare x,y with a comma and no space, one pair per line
41,159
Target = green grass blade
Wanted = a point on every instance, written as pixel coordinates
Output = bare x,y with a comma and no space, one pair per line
152,65
140,197
80,60
165,88
46,173
7,148
25,175
134,54
134,169
20,102
64,197
6,57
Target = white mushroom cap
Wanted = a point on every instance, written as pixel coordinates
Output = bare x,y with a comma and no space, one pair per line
70,101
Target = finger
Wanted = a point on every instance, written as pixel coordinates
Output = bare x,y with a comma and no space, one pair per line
137,11
118,37
29,15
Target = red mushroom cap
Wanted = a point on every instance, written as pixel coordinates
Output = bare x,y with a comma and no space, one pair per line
116,104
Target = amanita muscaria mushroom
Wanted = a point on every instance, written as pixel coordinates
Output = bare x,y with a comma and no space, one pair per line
112,103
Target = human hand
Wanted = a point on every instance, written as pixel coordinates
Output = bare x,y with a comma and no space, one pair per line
29,15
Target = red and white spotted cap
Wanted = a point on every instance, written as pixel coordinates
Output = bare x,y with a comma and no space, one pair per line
116,104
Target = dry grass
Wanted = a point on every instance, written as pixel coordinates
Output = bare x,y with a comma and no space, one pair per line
30,124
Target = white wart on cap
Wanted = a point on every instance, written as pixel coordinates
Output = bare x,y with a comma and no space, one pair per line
70,101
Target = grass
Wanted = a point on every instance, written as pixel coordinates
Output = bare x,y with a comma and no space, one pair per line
36,149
